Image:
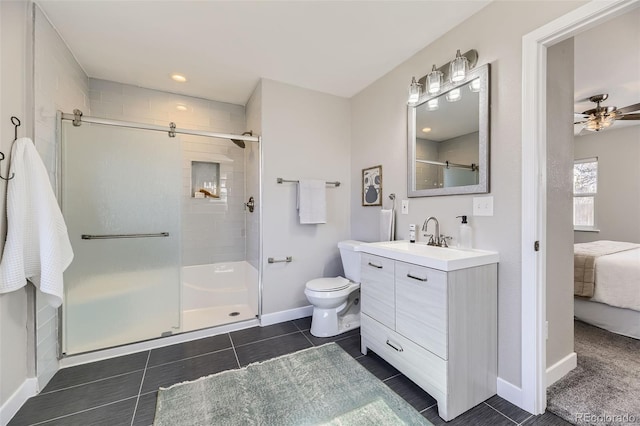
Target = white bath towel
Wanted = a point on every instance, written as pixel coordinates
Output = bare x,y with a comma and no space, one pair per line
37,246
387,220
312,201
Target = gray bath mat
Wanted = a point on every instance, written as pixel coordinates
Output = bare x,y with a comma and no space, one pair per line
320,385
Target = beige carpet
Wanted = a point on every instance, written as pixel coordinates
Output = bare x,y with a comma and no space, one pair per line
604,388
320,385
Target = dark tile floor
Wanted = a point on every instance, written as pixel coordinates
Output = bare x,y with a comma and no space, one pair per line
122,391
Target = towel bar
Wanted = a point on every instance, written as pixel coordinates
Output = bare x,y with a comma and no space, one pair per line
280,180
112,236
285,260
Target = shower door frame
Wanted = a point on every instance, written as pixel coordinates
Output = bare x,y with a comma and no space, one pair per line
172,130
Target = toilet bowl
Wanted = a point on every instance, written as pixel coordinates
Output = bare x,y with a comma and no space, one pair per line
336,301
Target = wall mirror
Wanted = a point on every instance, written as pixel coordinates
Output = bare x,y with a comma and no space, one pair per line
448,138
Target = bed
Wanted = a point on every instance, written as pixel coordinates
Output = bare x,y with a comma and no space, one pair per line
607,285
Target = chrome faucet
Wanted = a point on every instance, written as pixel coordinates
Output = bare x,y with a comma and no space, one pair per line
432,241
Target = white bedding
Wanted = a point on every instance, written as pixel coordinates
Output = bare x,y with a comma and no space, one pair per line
618,279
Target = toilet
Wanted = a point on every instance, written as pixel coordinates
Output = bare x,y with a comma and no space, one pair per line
336,301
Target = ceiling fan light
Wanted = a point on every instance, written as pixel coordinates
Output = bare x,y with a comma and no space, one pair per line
415,90
434,81
458,68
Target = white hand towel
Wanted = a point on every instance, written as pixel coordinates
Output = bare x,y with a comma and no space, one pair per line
312,201
386,225
37,246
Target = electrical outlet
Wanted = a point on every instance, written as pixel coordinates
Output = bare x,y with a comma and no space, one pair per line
483,206
405,206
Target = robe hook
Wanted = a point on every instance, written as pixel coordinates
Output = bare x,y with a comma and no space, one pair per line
16,122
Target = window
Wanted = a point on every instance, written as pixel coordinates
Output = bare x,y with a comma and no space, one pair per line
585,188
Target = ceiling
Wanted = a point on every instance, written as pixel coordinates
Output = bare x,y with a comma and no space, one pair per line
607,60
225,47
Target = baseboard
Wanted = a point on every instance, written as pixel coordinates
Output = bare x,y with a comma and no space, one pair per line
11,406
561,368
282,316
510,392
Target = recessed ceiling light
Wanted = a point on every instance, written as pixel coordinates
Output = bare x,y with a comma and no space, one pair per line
426,129
181,107
179,78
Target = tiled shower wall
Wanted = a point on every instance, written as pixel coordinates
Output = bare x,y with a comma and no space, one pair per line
59,84
212,230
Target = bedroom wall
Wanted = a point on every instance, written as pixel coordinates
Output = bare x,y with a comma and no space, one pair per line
559,255
617,205
379,136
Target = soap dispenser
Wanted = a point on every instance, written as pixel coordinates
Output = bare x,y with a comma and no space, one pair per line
465,236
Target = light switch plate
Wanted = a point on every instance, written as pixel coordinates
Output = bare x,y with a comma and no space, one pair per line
405,206
483,206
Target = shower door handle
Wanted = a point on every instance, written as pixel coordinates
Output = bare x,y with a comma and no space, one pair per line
250,205
114,236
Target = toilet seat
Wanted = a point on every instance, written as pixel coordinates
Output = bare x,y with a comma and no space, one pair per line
328,284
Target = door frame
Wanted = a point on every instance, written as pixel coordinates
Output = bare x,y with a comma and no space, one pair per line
534,186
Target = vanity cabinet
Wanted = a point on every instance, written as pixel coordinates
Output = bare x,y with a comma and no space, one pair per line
438,328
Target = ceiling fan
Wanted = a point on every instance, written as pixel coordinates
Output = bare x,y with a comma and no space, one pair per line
602,117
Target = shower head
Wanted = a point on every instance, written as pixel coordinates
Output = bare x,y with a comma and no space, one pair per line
239,142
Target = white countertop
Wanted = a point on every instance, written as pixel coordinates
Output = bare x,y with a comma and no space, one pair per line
442,258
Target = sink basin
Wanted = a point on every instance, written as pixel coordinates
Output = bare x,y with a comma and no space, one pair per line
442,258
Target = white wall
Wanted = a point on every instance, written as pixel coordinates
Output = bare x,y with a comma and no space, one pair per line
59,84
252,177
16,357
379,136
618,201
305,134
559,238
203,220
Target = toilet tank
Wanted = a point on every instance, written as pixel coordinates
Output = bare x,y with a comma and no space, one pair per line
350,253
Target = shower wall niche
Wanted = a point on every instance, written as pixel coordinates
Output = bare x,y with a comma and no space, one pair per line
205,179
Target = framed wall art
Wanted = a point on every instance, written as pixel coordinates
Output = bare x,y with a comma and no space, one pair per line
372,186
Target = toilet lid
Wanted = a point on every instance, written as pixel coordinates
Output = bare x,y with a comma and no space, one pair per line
328,284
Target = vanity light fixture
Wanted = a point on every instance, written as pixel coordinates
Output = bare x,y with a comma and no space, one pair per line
454,95
415,89
179,78
432,104
451,72
458,68
434,80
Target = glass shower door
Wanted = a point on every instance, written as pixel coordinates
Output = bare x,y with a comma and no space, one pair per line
121,202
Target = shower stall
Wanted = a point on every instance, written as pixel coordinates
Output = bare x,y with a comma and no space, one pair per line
163,240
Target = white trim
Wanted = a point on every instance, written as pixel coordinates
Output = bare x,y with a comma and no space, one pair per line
282,316
510,392
27,389
558,370
88,357
534,86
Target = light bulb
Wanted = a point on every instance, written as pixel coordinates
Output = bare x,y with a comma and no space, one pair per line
454,95
415,89
474,86
458,68
434,81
